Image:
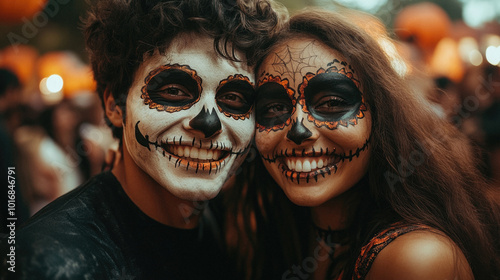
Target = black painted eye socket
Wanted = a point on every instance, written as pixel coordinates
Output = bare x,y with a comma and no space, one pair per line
329,104
173,88
236,97
332,97
172,93
273,105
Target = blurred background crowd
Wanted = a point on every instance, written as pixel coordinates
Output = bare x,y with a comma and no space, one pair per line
52,126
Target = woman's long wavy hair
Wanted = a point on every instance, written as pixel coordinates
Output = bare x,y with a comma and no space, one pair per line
422,170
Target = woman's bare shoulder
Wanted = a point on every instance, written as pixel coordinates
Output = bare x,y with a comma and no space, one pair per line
419,255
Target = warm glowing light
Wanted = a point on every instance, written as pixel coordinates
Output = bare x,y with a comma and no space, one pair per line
465,46
492,40
475,57
400,67
493,55
397,62
54,83
43,87
469,51
446,60
49,96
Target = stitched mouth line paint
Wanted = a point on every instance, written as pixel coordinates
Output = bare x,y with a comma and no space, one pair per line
198,155
298,165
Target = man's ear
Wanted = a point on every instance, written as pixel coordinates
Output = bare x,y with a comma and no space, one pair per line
113,111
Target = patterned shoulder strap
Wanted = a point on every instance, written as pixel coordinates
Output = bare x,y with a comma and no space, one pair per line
370,251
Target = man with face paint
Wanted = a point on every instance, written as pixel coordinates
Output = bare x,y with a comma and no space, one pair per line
177,84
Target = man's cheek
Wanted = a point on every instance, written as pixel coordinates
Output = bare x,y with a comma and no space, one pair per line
243,130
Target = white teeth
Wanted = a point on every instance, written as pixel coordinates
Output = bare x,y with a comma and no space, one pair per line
216,154
298,166
307,165
203,154
195,153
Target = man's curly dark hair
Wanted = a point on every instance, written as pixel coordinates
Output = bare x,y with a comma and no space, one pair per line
119,34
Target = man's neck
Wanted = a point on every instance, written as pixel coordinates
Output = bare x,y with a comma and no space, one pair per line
151,198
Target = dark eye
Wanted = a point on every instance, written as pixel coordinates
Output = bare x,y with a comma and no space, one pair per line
275,110
273,105
331,104
173,93
332,97
176,86
233,100
235,97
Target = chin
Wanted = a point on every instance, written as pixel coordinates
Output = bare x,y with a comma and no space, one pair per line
310,197
198,189
195,194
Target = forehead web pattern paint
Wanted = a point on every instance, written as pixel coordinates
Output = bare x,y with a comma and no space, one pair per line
291,61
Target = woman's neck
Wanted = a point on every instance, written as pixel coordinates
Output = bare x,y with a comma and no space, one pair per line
336,213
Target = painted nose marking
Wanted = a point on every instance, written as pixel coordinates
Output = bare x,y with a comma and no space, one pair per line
298,132
206,122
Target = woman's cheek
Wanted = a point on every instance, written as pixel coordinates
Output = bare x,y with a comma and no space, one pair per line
267,141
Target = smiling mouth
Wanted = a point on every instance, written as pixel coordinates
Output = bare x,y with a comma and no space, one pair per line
195,154
308,168
297,165
196,158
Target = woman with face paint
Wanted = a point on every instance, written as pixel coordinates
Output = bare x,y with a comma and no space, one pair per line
381,187
176,79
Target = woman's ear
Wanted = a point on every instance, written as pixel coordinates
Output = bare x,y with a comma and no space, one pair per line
113,111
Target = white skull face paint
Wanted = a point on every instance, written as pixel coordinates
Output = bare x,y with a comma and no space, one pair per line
189,120
313,127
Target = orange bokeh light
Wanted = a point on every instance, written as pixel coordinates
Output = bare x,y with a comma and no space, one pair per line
14,11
